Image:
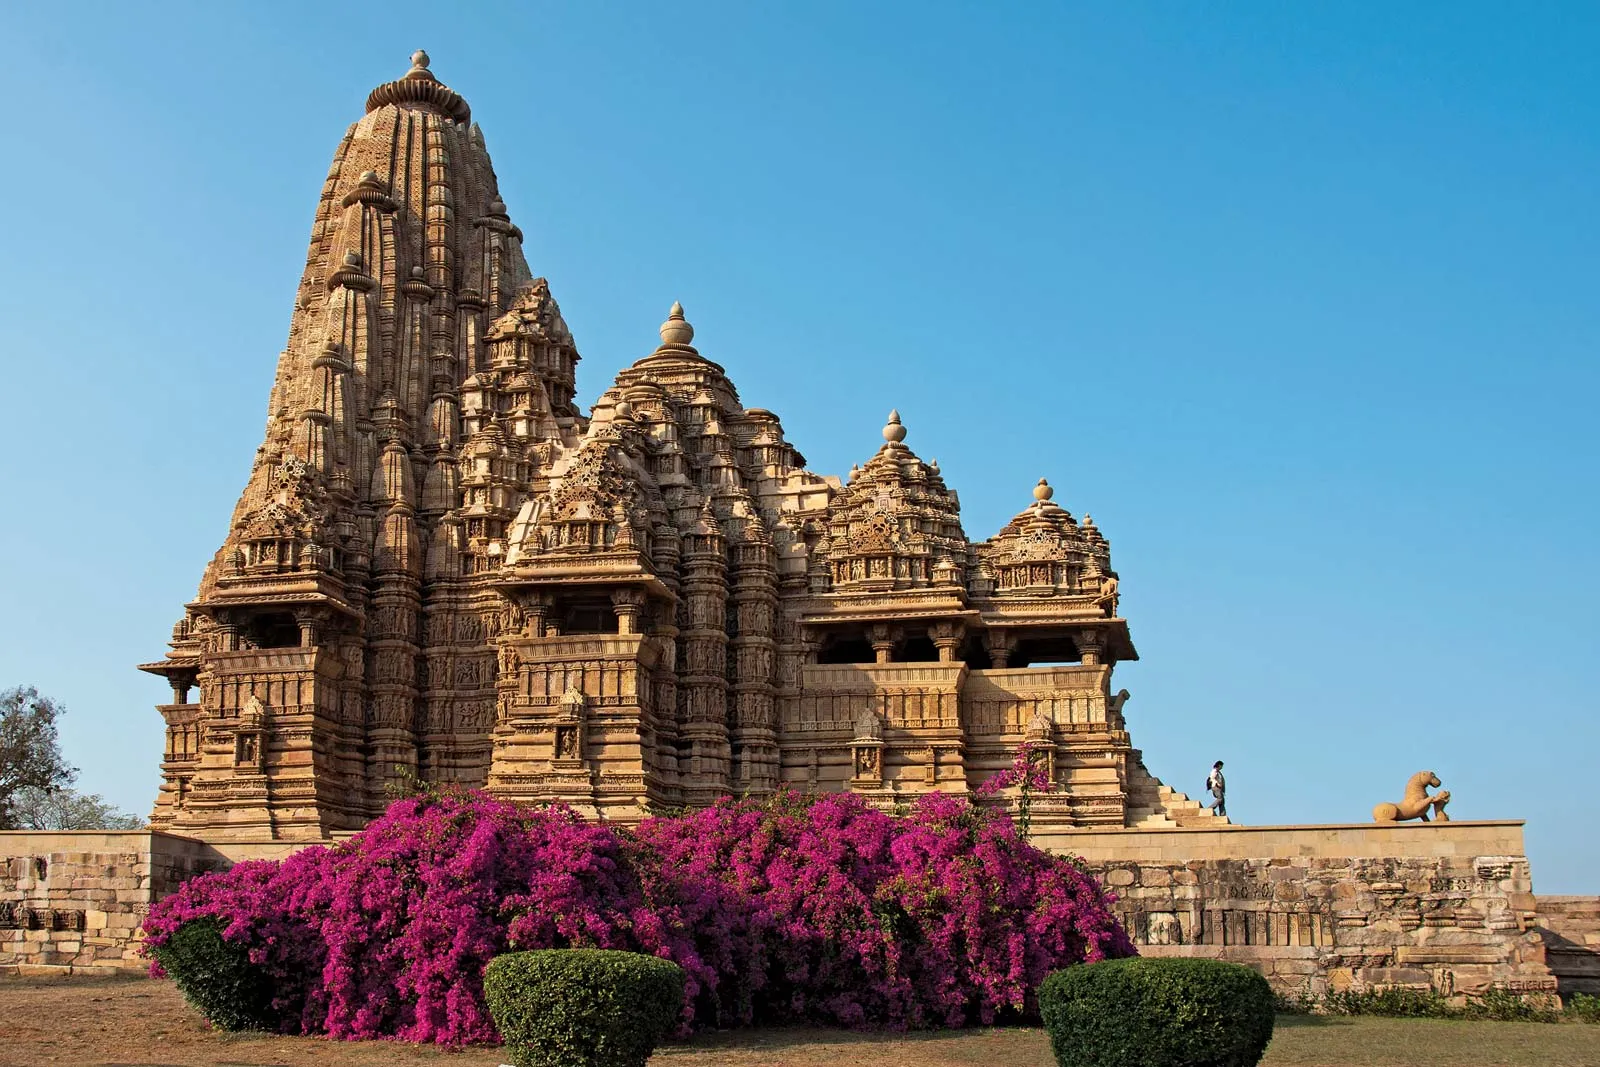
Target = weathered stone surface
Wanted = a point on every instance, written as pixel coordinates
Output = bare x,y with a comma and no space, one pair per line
49,920
1410,907
1569,929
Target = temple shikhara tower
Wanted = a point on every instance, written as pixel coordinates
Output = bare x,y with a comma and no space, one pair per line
443,568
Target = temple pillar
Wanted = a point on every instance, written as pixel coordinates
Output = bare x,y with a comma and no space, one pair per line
946,638
310,624
999,643
881,636
1089,646
628,604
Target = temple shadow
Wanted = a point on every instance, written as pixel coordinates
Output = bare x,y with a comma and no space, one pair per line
793,1036
1290,1022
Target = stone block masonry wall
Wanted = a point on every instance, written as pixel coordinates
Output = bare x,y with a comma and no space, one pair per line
73,901
1314,908
1317,909
1570,929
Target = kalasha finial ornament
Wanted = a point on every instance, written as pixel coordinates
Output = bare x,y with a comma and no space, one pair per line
894,433
676,330
1042,491
419,60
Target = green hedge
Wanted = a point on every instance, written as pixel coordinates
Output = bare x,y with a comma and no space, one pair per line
582,1007
217,977
1157,1013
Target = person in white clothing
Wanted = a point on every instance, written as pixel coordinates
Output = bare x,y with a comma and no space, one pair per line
1218,789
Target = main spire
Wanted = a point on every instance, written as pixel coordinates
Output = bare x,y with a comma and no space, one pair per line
364,509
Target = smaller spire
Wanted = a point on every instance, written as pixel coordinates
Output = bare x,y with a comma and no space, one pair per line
1042,492
676,330
894,432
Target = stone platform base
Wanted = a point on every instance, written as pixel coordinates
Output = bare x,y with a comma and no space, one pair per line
1323,908
1314,908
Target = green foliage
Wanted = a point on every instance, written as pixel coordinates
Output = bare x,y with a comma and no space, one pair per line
1395,1002
1582,1008
582,1007
30,749
1304,1002
217,977
67,809
1401,1002
1157,1012
1504,1006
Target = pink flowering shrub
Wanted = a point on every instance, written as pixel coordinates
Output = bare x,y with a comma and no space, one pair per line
1029,774
809,909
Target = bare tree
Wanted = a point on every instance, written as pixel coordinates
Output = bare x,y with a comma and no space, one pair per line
30,749
68,809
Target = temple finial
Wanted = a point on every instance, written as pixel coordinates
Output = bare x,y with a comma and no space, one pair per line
1042,491
894,432
676,330
418,87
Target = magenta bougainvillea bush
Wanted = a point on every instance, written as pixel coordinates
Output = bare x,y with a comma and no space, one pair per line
799,908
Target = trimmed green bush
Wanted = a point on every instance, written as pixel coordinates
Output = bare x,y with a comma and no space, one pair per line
582,1007
217,977
1157,1012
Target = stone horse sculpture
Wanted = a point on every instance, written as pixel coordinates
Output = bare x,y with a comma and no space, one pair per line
1417,801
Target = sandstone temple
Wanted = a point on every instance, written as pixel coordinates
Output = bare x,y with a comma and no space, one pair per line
443,569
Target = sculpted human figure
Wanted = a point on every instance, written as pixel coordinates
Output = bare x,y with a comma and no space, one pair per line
1416,802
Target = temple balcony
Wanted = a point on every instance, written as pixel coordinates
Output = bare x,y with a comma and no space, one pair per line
1003,702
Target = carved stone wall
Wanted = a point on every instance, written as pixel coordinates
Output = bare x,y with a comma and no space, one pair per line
1447,906
75,900
1314,908
1570,930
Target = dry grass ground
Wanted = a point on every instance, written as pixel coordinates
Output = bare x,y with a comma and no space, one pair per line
126,1021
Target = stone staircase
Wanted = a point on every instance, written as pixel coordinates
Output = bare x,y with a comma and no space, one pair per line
1153,805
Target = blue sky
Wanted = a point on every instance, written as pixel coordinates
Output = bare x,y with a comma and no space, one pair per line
1299,301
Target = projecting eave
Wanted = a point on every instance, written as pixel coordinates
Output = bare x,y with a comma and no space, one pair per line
1043,618
259,595
583,571
902,605
165,668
